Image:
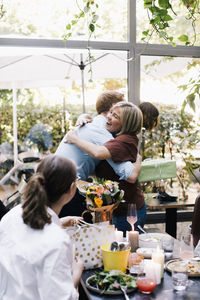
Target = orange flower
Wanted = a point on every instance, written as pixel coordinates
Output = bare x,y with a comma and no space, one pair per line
98,201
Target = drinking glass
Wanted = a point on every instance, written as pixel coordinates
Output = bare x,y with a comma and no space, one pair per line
132,214
145,284
186,247
180,275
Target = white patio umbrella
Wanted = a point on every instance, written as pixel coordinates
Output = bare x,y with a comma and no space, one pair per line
30,69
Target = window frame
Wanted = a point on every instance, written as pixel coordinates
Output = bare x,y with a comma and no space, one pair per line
133,49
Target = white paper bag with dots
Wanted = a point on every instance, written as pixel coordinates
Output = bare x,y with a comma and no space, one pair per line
88,240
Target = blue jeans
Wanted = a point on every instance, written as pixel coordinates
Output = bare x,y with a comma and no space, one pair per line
122,225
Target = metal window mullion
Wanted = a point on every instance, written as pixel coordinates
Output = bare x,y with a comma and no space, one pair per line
59,44
134,65
166,50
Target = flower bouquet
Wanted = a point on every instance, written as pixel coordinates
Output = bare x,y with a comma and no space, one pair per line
103,195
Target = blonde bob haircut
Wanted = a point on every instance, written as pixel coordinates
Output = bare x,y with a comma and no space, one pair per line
131,118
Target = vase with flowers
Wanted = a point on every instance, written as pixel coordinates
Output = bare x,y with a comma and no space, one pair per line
102,197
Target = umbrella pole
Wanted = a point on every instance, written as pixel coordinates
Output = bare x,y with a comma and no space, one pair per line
15,124
82,67
83,89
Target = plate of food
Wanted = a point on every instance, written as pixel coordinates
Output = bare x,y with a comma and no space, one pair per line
109,282
193,267
152,240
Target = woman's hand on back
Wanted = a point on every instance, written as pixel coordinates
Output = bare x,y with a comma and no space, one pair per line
71,137
83,119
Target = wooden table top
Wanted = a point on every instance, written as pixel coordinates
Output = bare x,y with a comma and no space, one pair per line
152,202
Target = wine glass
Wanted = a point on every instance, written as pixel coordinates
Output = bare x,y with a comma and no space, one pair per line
132,214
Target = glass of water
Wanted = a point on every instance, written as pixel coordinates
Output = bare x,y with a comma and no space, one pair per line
180,275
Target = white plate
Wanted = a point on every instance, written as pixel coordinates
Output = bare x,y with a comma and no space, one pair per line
152,240
193,267
146,252
98,291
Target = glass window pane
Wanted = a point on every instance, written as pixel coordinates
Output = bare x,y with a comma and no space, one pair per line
48,19
64,79
162,76
180,26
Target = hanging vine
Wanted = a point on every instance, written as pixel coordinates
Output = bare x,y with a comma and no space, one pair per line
161,13
2,10
88,11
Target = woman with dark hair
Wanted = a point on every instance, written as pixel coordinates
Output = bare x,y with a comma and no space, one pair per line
150,115
37,253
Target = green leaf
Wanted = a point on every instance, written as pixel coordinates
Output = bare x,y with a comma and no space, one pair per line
167,18
74,22
190,100
183,108
86,9
66,36
157,20
95,18
92,27
68,27
183,38
82,15
183,87
145,32
164,3
147,5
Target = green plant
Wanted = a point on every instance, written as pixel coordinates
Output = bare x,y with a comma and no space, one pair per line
180,136
161,14
192,89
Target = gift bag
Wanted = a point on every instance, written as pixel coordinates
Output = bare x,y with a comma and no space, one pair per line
88,239
157,169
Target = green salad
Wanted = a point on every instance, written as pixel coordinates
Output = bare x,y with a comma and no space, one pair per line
112,280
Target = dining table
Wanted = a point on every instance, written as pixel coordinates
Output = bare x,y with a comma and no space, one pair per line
171,208
163,291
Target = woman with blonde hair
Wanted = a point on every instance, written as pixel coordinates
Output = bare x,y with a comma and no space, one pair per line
37,253
124,121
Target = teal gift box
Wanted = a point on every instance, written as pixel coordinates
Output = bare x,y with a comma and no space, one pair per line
157,169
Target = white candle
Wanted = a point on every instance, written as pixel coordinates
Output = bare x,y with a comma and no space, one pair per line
118,236
159,257
133,237
153,271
